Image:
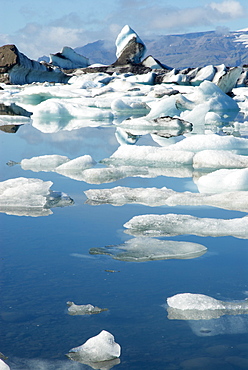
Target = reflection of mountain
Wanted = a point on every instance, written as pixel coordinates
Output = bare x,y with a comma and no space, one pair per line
148,249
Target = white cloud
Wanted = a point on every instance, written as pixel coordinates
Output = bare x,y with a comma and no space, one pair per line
228,8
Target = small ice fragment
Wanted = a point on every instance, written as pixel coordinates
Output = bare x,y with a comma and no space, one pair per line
86,309
102,347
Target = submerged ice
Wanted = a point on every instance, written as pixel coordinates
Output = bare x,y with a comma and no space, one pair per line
148,249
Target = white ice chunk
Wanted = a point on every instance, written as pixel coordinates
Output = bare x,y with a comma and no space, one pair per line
69,108
188,301
43,163
3,365
219,159
126,35
79,163
165,106
150,155
69,59
23,192
30,197
205,73
102,347
148,249
179,224
224,180
188,306
196,143
154,197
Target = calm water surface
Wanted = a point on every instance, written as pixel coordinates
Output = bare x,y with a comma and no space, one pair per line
45,262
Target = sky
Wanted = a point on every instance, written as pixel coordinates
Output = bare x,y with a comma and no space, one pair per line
40,28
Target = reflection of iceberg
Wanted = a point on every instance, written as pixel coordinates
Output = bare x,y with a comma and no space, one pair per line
30,197
148,249
155,197
177,224
84,309
208,316
97,349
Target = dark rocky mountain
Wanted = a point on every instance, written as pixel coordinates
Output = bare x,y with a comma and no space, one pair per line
182,51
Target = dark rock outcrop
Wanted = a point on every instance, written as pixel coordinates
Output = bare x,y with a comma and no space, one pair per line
16,68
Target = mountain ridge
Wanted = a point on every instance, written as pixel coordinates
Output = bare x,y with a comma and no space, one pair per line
196,49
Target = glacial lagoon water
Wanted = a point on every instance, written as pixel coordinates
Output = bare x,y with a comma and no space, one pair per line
46,261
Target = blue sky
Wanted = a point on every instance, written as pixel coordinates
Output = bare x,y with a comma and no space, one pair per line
39,28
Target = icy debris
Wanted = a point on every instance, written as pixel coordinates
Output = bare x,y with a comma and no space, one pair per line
178,224
102,347
43,163
148,249
86,309
188,306
155,197
149,155
3,365
224,180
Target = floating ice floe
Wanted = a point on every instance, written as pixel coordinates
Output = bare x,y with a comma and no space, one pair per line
30,197
149,156
178,224
43,163
219,159
124,38
224,180
85,309
100,348
155,197
197,143
148,249
3,365
188,306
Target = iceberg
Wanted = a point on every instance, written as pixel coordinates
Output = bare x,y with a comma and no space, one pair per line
205,314
148,249
85,309
219,159
43,163
224,180
30,197
102,347
155,197
149,156
177,224
123,41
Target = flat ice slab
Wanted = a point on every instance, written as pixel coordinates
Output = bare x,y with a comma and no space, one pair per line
155,197
148,249
179,224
